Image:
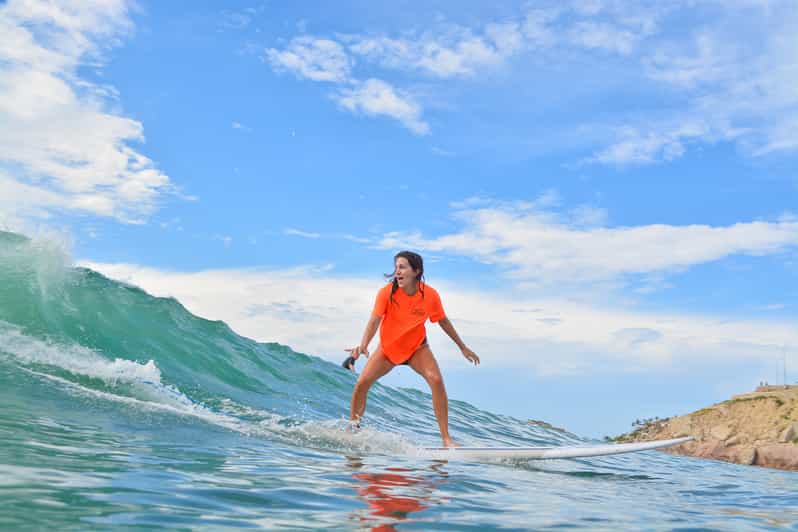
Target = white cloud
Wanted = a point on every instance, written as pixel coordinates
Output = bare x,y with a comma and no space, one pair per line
771,307
297,232
455,51
60,148
667,142
36,201
315,312
375,97
732,72
540,247
312,58
326,60
738,85
342,236
587,7
452,51
458,53
353,238
603,36
537,28
704,60
587,216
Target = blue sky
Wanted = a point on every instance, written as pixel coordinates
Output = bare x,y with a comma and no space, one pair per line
605,192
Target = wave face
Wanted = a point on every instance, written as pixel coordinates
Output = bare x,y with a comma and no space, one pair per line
120,408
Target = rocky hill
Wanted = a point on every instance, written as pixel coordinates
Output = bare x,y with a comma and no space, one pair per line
759,428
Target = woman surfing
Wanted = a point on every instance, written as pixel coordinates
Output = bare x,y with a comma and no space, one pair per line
400,311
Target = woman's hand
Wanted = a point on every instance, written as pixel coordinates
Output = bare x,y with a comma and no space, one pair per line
357,351
470,355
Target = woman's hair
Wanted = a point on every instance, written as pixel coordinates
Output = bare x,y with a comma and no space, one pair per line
416,262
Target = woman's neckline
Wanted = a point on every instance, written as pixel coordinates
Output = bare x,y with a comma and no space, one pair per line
418,289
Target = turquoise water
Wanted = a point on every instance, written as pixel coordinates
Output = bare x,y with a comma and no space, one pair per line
121,409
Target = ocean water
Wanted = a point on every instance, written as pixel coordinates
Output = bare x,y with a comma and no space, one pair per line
119,409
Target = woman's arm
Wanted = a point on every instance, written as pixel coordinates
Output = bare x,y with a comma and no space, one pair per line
371,329
448,328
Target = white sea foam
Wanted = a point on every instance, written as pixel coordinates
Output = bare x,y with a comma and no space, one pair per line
146,391
46,257
337,435
144,378
183,408
75,359
330,435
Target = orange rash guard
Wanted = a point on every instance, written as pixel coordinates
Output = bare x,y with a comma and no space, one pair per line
402,329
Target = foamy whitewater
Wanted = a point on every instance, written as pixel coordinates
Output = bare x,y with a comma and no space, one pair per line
121,409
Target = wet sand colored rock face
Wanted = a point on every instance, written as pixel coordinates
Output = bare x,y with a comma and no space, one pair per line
759,428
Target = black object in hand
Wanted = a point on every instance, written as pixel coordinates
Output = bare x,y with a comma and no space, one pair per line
349,363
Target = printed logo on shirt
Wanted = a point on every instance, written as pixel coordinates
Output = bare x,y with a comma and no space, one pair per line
417,311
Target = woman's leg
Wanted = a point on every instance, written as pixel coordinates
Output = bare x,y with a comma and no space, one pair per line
425,365
377,366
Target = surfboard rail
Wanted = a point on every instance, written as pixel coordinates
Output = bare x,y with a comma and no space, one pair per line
549,452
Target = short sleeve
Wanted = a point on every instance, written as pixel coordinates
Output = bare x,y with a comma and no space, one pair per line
381,303
435,307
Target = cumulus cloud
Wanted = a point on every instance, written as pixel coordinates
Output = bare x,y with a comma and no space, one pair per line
444,52
604,36
60,147
456,51
375,97
731,73
736,86
656,143
459,53
534,245
312,58
326,60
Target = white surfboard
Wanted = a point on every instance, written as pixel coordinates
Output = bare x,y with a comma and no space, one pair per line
542,453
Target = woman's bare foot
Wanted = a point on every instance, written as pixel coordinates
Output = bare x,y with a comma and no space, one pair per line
448,442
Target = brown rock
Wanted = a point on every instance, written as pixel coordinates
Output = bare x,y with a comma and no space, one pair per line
708,449
790,434
747,429
746,456
720,432
734,440
778,455
686,448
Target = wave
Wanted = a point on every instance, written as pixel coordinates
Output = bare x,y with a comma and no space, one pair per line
93,336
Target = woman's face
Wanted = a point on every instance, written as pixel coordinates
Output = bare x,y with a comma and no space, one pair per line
405,274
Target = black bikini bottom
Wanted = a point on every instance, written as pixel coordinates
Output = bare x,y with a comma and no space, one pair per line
407,362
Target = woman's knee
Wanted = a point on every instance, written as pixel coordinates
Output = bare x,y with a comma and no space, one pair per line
363,384
434,378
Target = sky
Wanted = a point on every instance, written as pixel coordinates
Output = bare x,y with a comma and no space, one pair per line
604,192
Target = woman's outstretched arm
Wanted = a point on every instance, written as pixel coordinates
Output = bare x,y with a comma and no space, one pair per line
368,334
448,328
